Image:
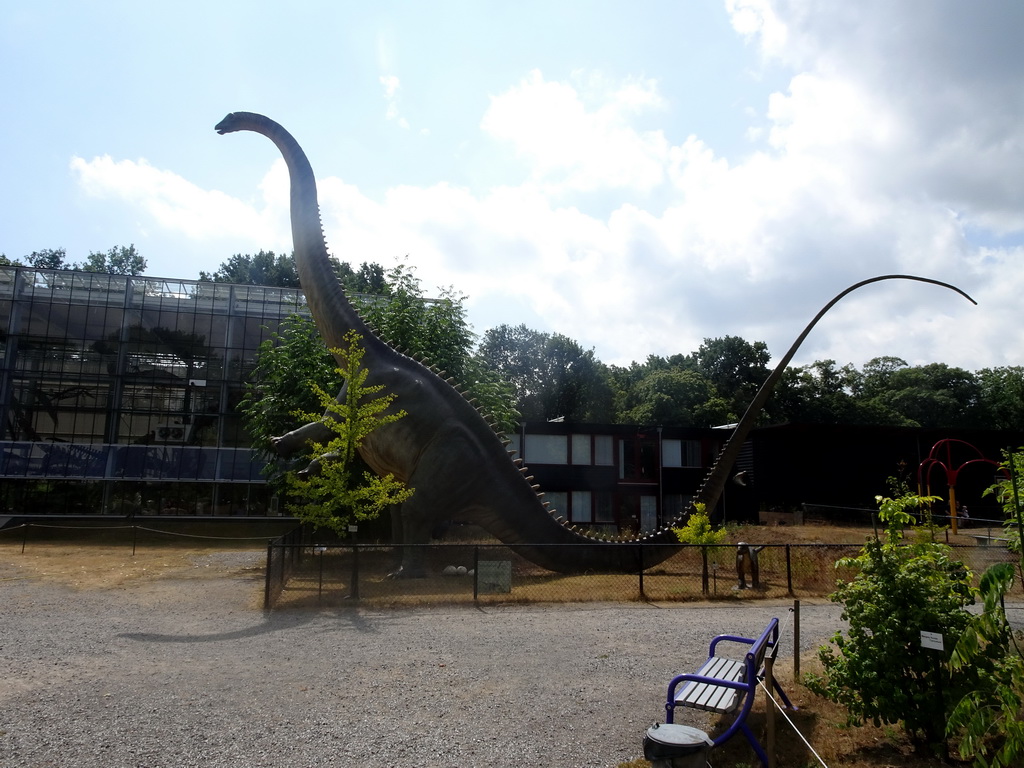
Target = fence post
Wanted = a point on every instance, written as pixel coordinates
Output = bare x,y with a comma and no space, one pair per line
354,590
24,537
320,585
640,560
476,572
789,571
266,580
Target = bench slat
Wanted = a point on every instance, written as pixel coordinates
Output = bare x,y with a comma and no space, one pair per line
709,697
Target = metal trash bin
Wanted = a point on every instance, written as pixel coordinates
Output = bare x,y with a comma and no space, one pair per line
668,745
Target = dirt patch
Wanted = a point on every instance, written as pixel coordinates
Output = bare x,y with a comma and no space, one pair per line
151,574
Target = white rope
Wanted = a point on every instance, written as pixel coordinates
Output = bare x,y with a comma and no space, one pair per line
136,527
791,723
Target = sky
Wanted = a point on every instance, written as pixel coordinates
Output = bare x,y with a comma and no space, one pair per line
636,176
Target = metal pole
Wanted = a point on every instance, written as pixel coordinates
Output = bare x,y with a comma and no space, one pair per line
789,571
952,508
796,640
769,713
266,580
476,572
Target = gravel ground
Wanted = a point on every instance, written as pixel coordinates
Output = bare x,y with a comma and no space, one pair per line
180,672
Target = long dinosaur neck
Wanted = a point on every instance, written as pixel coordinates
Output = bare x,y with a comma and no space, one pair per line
333,313
711,491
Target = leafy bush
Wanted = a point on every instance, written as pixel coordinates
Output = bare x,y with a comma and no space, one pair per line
990,718
878,669
699,530
343,491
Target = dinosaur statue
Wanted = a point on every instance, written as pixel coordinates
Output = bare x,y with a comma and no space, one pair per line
444,448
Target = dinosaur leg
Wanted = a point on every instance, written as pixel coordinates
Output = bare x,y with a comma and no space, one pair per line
398,551
413,526
439,482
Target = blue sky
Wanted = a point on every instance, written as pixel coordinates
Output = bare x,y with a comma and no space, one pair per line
636,176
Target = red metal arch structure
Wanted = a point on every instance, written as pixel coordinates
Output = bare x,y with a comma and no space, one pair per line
941,456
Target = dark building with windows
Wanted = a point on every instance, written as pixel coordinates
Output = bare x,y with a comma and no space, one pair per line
617,477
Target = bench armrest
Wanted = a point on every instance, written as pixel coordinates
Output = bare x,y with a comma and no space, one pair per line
730,639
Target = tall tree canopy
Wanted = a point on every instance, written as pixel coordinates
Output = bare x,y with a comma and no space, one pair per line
552,376
278,270
119,260
736,369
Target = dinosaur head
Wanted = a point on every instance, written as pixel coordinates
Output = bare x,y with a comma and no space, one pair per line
235,121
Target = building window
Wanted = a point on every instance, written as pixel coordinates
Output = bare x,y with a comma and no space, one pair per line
581,449
603,451
680,453
581,507
673,506
559,501
648,513
638,460
603,512
547,449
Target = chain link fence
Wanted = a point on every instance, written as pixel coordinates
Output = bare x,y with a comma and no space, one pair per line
309,574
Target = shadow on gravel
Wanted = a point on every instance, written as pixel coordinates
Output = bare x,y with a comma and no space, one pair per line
273,623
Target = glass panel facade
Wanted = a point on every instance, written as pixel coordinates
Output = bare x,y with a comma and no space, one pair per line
113,378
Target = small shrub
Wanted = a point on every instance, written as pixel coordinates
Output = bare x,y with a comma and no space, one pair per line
699,530
878,669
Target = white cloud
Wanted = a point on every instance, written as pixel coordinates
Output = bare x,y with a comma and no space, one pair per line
176,204
573,144
392,86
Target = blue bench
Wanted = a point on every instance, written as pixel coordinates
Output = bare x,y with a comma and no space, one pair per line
725,685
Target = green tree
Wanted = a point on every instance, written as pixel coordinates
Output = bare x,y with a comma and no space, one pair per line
699,530
735,368
675,398
48,258
878,669
435,328
1001,395
552,375
342,492
990,719
119,260
264,268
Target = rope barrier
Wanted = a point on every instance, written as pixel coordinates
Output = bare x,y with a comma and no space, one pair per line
130,527
792,724
80,527
197,536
